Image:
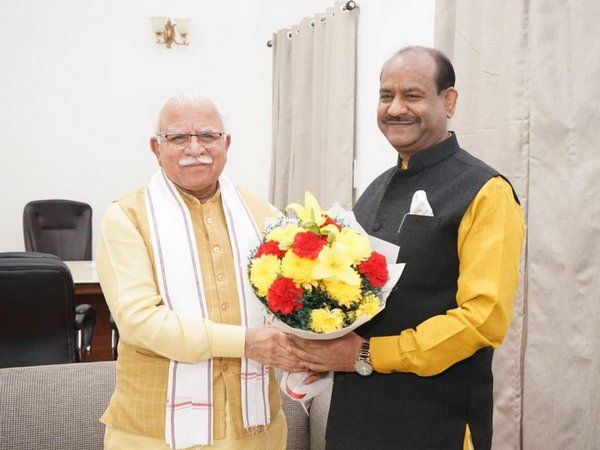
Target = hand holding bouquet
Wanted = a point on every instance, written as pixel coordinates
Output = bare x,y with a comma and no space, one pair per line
318,273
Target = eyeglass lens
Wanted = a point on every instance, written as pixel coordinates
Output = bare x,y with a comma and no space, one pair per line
207,139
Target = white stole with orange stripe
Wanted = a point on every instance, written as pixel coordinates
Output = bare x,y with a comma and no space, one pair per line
189,419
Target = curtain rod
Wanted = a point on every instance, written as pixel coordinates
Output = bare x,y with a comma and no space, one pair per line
348,6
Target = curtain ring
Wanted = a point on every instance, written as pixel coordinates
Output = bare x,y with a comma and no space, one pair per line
312,23
322,19
270,43
289,34
349,6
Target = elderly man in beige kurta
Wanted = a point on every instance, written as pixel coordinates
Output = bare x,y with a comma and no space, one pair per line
157,341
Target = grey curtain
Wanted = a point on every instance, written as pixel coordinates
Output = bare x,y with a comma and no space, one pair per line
314,73
527,74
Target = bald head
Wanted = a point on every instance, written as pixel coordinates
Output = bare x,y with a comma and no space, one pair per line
444,77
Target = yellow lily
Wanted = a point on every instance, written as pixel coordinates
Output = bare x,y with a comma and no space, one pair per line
310,212
335,264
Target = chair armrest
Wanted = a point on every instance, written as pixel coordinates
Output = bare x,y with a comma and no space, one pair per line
114,336
85,320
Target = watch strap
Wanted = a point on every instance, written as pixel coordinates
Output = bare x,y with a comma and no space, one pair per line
365,350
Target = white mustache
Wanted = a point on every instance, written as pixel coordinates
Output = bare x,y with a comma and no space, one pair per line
195,160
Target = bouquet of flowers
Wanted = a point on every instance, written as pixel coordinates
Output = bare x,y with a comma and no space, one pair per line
319,274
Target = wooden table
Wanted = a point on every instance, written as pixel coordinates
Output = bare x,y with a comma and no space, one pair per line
89,291
85,277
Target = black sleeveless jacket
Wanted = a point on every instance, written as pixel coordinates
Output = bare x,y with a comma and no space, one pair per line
403,410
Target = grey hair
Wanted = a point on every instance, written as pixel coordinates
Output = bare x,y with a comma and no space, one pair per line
193,99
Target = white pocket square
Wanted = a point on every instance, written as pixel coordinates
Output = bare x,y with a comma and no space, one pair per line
419,206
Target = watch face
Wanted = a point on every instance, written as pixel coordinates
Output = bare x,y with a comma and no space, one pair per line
363,368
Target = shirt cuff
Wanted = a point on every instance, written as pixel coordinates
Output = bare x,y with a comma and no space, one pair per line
228,341
384,353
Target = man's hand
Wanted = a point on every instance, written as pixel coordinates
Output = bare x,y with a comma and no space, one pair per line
321,356
270,346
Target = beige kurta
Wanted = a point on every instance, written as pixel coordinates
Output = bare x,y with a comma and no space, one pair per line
151,334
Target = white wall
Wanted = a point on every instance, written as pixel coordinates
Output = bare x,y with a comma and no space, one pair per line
81,81
384,26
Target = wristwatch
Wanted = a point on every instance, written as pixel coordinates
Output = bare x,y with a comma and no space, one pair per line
362,365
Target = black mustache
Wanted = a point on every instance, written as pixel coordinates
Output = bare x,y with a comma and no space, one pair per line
401,118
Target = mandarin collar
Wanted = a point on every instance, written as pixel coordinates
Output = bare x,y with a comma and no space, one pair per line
430,156
191,200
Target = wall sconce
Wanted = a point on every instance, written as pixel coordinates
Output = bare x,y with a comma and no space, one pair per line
166,31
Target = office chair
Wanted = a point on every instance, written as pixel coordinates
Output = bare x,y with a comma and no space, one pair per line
59,227
114,337
39,323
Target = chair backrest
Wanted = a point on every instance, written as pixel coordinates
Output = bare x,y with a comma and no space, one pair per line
37,310
59,227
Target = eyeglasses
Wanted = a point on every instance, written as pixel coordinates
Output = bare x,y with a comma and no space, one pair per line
207,139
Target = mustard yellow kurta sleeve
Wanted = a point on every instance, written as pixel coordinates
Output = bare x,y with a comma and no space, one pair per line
490,239
127,278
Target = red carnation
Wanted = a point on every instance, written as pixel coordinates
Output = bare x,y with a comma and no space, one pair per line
375,269
269,248
284,296
330,221
308,244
